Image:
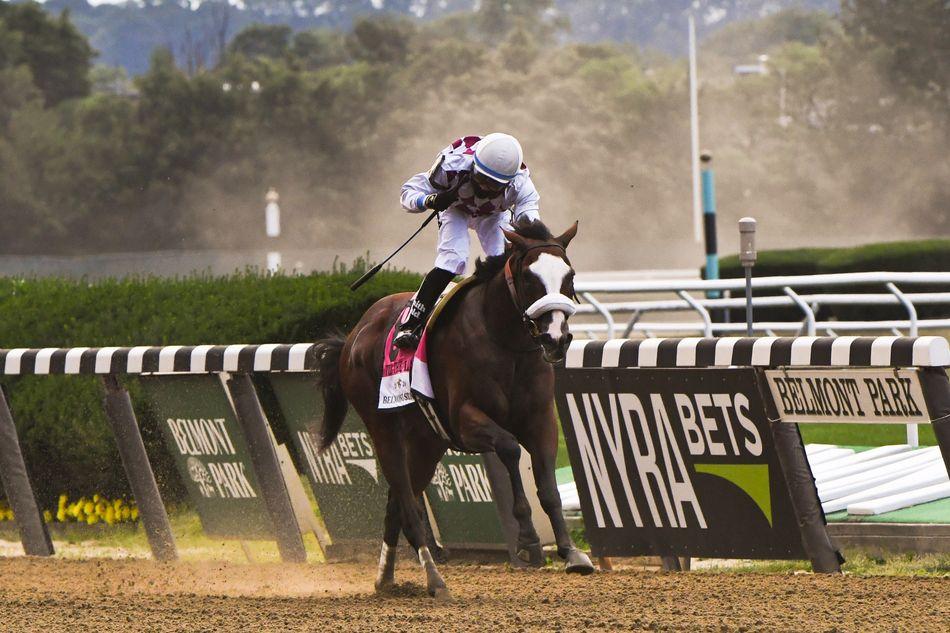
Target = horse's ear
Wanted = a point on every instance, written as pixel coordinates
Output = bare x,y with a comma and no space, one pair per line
565,238
516,240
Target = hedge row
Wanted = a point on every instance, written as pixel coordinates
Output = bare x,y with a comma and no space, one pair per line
909,256
66,441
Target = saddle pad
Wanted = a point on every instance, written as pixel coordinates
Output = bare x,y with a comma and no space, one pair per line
405,372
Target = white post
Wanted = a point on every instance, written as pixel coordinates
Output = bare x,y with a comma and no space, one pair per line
272,227
694,133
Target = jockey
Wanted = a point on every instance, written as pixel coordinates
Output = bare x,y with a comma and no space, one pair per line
476,183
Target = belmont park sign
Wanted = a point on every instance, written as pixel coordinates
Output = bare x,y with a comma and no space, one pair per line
852,395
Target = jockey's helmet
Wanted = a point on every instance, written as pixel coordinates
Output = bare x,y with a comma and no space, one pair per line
498,156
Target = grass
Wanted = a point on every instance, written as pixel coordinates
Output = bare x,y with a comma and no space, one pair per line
857,563
128,540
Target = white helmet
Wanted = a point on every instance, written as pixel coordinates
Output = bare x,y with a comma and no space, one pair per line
498,156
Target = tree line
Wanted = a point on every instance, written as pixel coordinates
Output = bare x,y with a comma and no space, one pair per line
849,124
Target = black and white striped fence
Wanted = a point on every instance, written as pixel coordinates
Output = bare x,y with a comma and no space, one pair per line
767,351
197,359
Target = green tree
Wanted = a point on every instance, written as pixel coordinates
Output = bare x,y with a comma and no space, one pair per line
912,35
318,48
262,40
381,40
55,52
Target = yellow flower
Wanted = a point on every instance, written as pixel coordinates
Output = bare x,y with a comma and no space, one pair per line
92,519
61,515
47,516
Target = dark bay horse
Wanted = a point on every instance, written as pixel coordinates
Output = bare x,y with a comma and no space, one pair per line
490,361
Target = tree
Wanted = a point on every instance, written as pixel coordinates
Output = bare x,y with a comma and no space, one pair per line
55,52
262,40
318,48
381,40
914,36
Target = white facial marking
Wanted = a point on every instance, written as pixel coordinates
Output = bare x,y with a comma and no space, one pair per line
557,321
551,270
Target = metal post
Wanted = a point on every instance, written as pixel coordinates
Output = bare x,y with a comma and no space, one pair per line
709,222
747,257
272,227
913,437
264,457
694,127
19,490
128,439
824,556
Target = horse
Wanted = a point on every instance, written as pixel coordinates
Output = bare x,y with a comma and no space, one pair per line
490,358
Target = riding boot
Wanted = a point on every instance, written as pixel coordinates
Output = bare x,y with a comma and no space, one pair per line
432,286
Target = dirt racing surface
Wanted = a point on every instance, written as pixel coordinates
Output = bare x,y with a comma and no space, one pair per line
136,595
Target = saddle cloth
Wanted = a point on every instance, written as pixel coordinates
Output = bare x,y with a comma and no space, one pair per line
405,374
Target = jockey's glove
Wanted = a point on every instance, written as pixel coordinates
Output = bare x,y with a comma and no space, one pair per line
441,201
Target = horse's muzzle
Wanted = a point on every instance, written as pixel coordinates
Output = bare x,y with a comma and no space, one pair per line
553,348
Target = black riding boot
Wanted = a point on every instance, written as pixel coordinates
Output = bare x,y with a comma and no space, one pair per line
432,286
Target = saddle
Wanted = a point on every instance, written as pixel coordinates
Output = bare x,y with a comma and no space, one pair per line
405,373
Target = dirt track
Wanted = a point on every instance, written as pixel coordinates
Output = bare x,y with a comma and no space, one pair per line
140,595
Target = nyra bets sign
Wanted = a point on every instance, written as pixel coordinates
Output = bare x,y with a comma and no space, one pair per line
675,462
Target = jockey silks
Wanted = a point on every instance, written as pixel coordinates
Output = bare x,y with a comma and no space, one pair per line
487,216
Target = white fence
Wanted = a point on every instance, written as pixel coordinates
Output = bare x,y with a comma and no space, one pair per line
615,307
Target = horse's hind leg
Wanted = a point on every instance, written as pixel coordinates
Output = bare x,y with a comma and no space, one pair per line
385,576
395,467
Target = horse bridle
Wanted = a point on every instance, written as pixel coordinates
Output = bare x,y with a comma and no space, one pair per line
515,291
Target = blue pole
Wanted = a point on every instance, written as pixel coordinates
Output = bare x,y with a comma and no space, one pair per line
709,221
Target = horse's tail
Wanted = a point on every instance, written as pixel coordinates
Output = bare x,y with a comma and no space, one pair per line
334,402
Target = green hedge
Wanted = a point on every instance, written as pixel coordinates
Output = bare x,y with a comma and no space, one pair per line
911,256
908,256
65,438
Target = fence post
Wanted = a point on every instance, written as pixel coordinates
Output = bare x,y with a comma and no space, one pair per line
125,428
16,484
273,488
825,557
936,388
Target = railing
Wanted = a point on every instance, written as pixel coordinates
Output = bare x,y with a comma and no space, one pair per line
623,318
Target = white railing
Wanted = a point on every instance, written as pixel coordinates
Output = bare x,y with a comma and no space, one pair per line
613,308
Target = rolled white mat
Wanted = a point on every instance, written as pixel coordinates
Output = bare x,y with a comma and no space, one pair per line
846,469
930,475
863,456
901,500
814,449
829,456
862,481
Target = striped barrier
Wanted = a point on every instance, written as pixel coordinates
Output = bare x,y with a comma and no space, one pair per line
218,431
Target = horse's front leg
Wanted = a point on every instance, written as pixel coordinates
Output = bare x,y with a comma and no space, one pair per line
542,446
480,433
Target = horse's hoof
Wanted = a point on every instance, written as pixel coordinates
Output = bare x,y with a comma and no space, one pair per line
578,563
441,594
531,555
439,554
384,586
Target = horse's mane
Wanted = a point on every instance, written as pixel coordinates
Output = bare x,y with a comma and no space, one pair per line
488,267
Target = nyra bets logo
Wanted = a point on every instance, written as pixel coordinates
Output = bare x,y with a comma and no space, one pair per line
629,451
349,449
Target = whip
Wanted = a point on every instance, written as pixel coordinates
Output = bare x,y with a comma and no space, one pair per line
375,269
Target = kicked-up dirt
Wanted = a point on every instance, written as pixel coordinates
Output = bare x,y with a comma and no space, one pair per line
135,595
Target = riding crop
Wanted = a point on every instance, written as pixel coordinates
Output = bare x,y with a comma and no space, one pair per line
375,269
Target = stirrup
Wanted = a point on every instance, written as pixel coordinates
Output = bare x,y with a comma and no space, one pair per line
407,339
